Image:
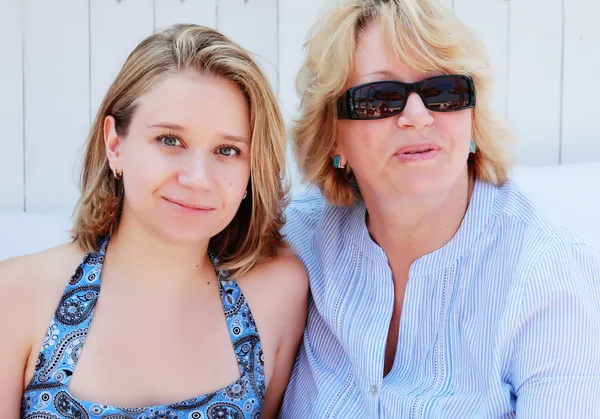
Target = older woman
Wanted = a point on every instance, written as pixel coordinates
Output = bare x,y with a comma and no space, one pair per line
438,288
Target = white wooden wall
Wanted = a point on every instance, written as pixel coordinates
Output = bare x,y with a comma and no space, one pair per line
59,56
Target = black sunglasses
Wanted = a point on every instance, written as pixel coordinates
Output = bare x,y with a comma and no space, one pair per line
382,99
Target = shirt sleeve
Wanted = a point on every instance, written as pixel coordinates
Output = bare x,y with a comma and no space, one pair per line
556,348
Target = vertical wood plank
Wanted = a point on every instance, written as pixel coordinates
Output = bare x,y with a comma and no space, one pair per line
56,100
296,18
117,26
169,12
535,75
581,88
489,18
253,24
12,187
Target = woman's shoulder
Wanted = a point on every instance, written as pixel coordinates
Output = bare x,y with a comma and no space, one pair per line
302,219
40,271
538,246
277,287
525,247
305,210
282,281
310,219
277,294
30,289
522,219
32,282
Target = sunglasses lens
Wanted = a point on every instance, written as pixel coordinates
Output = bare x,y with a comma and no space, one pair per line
379,100
448,93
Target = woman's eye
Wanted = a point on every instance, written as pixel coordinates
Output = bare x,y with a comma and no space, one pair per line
228,151
171,141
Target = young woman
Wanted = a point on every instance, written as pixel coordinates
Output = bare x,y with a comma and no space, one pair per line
147,312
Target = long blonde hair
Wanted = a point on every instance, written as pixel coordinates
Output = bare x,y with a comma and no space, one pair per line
426,37
253,235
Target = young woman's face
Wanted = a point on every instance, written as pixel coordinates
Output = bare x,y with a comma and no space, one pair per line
185,158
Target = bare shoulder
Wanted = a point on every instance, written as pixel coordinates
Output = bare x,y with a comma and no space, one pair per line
289,269
283,274
40,269
31,283
278,288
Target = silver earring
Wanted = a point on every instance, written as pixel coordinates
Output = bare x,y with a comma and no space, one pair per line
118,175
245,194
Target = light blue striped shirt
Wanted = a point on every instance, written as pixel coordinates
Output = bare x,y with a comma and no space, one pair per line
501,322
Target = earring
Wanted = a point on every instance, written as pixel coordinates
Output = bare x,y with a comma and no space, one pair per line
118,175
473,147
245,194
337,162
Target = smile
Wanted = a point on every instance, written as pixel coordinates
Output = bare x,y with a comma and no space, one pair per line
187,206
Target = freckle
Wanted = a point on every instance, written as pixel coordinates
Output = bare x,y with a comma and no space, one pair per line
208,283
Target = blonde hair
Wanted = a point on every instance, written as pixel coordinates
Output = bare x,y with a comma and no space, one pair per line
426,37
253,235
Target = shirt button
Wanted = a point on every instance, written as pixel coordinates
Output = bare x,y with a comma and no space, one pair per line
373,390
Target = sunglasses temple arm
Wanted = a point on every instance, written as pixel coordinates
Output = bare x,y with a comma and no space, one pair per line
342,107
474,94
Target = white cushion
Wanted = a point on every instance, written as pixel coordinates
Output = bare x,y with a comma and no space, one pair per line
24,233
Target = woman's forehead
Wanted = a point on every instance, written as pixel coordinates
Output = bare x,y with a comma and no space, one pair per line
374,59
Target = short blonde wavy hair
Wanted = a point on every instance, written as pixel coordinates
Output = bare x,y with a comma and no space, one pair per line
424,35
253,235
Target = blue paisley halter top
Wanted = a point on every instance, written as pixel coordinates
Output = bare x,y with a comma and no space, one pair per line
48,397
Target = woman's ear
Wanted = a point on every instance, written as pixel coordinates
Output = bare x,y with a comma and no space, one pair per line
112,144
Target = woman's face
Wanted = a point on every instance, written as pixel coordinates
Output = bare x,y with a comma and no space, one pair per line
185,158
418,153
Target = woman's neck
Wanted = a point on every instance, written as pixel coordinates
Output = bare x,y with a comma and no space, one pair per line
140,259
411,228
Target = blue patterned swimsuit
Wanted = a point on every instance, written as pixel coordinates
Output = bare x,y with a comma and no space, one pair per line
48,396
